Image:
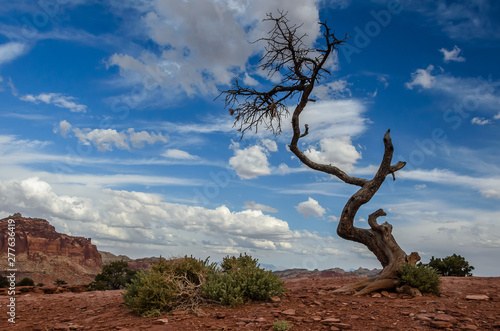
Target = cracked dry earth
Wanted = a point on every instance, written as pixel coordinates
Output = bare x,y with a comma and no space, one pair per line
464,304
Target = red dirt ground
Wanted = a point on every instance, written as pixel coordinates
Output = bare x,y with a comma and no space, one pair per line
309,304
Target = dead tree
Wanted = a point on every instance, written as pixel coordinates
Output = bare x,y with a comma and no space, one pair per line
301,67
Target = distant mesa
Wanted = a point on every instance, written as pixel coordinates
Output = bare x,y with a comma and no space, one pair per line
45,255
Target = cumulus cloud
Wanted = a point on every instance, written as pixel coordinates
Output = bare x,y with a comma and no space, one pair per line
37,196
310,208
57,100
107,139
11,50
337,151
480,121
332,118
207,43
257,206
453,55
252,162
422,78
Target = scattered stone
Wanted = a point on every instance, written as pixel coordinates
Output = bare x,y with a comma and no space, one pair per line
385,294
477,297
469,327
441,324
162,321
446,318
288,312
60,326
275,299
330,321
376,295
423,317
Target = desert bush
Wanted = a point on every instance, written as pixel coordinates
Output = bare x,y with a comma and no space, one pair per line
240,279
454,265
420,276
169,285
4,282
114,276
60,282
39,284
280,325
26,282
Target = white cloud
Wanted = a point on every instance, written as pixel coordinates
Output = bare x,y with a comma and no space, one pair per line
107,139
422,78
453,55
57,100
35,195
11,50
337,151
269,144
420,187
480,121
250,162
64,128
468,94
487,186
331,118
257,206
178,154
202,46
333,90
310,208
497,116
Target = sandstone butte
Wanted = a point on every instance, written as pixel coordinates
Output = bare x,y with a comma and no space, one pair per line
45,255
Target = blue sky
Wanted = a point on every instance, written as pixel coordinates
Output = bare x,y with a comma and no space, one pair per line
109,128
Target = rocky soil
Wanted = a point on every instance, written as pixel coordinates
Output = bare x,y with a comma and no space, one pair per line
464,304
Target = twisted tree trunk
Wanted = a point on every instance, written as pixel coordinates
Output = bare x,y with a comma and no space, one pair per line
301,68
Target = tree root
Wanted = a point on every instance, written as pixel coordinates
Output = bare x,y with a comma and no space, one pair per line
368,286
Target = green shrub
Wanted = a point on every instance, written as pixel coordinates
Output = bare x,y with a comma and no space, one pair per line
60,282
454,265
114,276
240,279
420,276
4,282
280,326
26,282
169,285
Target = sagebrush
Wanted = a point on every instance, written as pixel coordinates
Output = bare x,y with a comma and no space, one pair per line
187,283
420,276
240,279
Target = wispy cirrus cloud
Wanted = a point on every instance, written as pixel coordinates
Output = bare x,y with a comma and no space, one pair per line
11,50
56,99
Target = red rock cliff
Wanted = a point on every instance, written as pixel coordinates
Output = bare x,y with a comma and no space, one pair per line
46,255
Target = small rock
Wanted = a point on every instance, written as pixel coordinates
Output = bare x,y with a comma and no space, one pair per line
469,327
60,326
477,297
376,295
441,324
385,294
446,318
330,321
162,321
275,299
288,312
